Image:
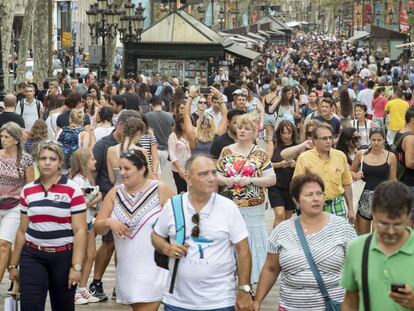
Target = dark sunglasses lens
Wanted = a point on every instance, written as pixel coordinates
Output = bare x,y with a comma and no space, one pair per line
195,219
195,232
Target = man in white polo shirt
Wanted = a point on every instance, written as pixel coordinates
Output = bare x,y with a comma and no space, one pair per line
215,230
30,108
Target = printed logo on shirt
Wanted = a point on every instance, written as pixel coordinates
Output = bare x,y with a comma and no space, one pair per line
59,197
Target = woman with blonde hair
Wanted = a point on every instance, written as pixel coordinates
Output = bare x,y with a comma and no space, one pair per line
37,134
15,171
202,136
82,168
132,132
245,171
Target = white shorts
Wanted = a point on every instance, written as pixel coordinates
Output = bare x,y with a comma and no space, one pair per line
9,223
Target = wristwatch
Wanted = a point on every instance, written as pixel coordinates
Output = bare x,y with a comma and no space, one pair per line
245,288
77,268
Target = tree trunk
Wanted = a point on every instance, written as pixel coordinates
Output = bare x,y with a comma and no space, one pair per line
6,33
40,45
24,40
111,47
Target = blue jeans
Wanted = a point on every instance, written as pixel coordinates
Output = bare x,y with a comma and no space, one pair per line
172,308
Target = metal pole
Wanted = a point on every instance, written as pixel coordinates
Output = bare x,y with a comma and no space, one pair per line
103,61
2,93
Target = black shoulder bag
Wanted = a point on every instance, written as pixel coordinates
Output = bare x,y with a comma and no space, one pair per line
365,291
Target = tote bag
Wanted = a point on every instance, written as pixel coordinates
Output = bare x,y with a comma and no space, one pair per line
357,188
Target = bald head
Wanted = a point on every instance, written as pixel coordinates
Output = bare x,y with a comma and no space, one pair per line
9,101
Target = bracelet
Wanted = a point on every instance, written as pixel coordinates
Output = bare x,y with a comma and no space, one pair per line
251,180
11,267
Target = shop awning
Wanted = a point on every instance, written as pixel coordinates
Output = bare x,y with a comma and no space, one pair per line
359,35
405,45
241,51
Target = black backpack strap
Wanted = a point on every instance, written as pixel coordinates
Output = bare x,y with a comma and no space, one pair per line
21,103
365,291
38,107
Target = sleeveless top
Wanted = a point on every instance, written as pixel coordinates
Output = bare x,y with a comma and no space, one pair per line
135,210
268,104
285,174
375,174
408,177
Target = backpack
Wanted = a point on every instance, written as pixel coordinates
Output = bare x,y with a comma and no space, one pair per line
69,139
395,73
162,260
21,103
396,148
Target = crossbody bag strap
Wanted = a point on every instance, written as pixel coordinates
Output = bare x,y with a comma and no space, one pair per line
310,260
245,159
365,291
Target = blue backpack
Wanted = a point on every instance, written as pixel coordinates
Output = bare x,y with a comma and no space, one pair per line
69,139
162,260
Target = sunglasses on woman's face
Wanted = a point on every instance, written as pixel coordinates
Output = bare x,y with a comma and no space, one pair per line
356,138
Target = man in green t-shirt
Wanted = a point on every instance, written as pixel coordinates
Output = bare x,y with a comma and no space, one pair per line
390,256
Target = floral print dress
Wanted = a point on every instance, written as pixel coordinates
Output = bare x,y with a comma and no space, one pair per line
250,198
256,165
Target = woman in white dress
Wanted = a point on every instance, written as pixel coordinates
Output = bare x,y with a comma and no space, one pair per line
130,210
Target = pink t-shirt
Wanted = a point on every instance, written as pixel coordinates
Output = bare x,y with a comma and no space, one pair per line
11,183
378,105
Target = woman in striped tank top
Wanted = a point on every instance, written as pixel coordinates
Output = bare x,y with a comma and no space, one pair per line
130,210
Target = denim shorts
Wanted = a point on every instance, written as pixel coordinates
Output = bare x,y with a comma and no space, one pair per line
172,308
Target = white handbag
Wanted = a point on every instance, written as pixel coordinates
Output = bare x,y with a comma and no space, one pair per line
357,188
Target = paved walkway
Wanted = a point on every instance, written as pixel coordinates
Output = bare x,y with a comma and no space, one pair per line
109,276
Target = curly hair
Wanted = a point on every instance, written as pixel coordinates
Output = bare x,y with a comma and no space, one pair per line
206,129
38,131
132,127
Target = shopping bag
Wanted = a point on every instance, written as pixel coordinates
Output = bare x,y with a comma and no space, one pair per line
11,304
357,189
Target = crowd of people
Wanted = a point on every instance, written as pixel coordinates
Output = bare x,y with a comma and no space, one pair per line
319,131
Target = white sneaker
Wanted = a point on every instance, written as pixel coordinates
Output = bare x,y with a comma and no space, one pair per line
80,299
88,296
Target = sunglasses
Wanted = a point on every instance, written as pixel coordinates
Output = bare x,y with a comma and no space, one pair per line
129,154
202,102
195,232
356,138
